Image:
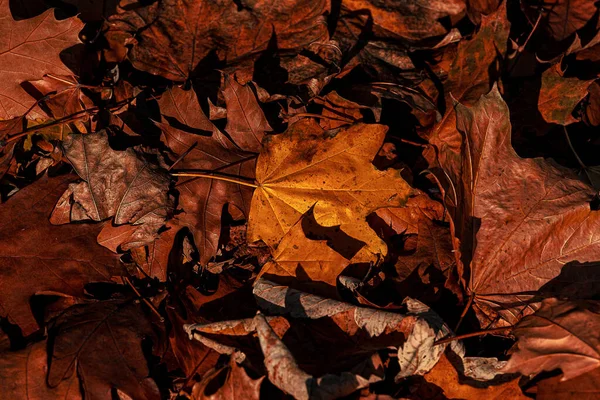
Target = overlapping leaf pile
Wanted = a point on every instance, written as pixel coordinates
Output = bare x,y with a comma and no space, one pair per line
320,199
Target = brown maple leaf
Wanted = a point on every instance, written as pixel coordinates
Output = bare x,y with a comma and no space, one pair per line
31,49
236,34
126,185
519,221
561,334
37,257
101,343
559,95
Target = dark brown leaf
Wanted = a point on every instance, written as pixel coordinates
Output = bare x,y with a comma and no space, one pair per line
37,257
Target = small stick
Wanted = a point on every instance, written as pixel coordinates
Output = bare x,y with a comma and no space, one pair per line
472,334
145,300
182,156
215,177
467,307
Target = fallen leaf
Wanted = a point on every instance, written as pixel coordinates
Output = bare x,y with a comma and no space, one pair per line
508,204
202,199
37,257
101,343
31,50
125,185
559,96
561,334
284,372
470,75
23,376
413,334
309,263
196,29
560,18
445,375
237,385
330,171
246,122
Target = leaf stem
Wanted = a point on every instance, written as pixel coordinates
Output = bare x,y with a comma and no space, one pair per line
472,334
215,177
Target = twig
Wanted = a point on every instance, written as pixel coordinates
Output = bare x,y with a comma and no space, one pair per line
472,334
467,307
215,177
145,300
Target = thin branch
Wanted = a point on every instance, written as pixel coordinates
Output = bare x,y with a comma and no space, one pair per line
467,307
215,177
472,334
145,300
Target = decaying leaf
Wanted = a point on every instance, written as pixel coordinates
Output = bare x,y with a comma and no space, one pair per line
237,385
126,185
559,96
331,171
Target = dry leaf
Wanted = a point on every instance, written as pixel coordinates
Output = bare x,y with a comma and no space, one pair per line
508,204
561,334
37,257
330,171
30,50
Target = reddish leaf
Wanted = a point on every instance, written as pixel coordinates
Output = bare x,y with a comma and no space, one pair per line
37,257
124,184
30,50
23,376
101,342
561,334
519,220
246,122
237,385
196,28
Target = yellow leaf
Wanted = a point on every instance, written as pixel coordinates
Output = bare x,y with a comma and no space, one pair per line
332,171
308,263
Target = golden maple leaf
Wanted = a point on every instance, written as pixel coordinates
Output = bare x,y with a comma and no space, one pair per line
329,170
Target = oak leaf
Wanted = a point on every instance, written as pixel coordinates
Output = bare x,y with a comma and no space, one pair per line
331,171
30,50
519,221
126,185
561,334
37,257
101,343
